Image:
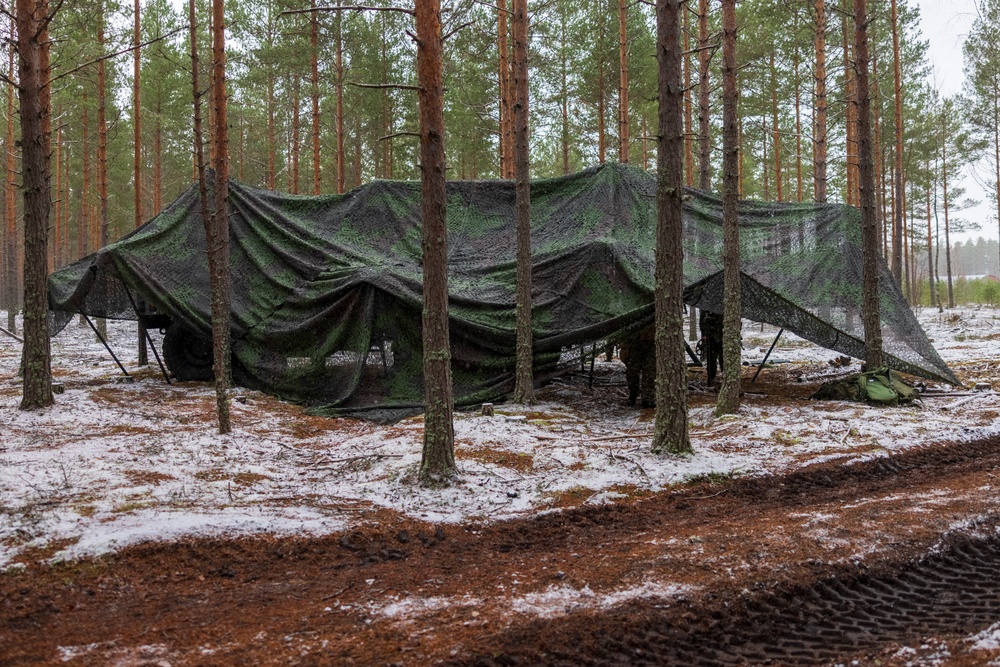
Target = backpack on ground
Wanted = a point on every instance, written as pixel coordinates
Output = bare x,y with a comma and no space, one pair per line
878,387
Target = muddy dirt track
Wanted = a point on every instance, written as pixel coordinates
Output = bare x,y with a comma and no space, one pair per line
826,565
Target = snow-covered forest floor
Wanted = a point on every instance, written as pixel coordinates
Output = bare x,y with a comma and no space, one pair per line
115,463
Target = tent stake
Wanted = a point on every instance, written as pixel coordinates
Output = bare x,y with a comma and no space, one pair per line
593,356
149,339
769,350
106,346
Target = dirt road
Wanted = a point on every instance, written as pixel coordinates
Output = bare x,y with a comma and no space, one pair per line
825,565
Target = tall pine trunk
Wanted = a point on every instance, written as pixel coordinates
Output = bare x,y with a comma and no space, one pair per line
704,93
670,433
897,221
33,45
10,189
623,121
729,394
137,160
944,202
523,373
866,190
504,102
438,459
339,64
820,129
316,169
218,246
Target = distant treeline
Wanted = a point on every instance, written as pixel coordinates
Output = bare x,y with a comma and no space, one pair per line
971,258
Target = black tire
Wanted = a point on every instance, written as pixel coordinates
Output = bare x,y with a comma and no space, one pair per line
187,354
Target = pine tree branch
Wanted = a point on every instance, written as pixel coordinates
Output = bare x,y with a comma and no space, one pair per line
399,134
116,53
355,8
399,86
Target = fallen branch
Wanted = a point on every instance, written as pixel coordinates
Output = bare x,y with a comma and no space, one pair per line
14,336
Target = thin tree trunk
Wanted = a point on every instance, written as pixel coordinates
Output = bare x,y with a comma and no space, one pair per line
944,201
357,151
930,247
10,189
897,222
776,142
623,120
820,138
137,161
851,95
295,134
341,178
800,186
317,172
102,148
996,146
33,45
83,219
688,106
704,92
564,90
670,434
869,222
438,460
503,78
158,153
57,240
729,394
523,374
218,248
272,143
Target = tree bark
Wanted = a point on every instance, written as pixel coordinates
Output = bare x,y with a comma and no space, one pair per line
623,120
503,77
800,186
670,434
820,139
704,92
851,86
438,460
930,247
218,242
341,178
944,202
33,45
143,355
866,177
103,233
775,130
295,134
729,394
897,221
688,104
83,219
523,373
10,190
317,172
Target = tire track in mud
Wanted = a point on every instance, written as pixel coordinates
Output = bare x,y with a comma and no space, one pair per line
798,612
954,591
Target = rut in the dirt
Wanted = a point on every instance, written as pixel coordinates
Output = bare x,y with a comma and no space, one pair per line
945,594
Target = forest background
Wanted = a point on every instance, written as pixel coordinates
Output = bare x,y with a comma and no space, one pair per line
321,102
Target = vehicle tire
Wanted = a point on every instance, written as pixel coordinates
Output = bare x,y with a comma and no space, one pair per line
187,354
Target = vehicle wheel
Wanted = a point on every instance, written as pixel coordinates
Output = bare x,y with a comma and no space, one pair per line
187,354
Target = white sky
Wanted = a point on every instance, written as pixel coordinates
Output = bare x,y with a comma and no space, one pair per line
945,24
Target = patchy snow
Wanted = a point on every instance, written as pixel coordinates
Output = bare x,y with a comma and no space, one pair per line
115,463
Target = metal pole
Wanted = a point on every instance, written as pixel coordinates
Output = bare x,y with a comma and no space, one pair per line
106,346
149,339
764,360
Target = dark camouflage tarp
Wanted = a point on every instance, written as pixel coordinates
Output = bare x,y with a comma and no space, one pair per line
327,289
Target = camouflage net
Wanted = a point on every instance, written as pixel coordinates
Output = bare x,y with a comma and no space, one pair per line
327,298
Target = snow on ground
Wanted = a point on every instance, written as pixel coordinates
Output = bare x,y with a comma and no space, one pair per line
116,463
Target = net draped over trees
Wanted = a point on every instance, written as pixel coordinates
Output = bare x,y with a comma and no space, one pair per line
327,307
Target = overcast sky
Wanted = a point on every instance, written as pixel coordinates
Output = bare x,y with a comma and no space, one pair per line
945,24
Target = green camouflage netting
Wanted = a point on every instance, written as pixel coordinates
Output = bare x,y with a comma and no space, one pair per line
327,289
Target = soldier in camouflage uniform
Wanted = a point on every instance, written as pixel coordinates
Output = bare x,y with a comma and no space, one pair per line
710,344
638,353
